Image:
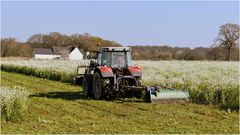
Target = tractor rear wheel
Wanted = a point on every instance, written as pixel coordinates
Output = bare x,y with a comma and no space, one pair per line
85,87
98,89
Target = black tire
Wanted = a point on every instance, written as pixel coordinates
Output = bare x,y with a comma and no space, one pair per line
78,81
85,88
147,97
98,83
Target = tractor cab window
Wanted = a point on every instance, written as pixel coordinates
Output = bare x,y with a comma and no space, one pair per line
99,58
129,59
106,58
118,59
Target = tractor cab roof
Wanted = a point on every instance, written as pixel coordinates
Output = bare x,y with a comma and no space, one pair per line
115,49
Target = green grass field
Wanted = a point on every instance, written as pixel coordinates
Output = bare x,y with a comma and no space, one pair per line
56,107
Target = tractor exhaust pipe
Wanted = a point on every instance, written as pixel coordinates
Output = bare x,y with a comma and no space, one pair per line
157,94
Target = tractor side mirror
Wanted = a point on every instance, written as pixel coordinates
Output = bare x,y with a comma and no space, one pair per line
87,55
91,55
94,56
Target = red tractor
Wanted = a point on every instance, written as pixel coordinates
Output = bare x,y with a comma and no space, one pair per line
112,74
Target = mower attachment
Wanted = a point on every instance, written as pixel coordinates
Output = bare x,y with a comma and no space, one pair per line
158,94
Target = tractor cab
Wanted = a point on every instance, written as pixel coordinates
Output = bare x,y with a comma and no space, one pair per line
114,57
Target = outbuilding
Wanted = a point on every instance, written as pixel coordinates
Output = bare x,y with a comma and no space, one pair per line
43,53
67,53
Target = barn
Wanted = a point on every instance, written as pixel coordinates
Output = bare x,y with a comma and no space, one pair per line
43,53
70,53
67,53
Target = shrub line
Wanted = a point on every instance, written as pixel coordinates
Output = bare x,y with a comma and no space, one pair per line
47,74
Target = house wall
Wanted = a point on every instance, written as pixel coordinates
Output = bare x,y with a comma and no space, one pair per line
75,55
45,56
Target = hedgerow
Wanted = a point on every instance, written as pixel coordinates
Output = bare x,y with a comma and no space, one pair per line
41,73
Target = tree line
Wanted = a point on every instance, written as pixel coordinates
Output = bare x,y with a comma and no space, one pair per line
225,46
177,53
85,42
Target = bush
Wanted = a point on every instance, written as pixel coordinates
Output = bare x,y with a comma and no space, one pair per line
13,103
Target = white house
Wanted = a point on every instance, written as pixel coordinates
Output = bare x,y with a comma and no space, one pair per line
69,53
43,53
75,54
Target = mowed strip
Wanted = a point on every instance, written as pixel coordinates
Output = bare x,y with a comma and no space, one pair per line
56,107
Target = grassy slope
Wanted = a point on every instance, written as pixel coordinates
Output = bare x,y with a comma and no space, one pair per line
60,108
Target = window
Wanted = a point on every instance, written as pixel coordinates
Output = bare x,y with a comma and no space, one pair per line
129,59
118,59
106,58
99,59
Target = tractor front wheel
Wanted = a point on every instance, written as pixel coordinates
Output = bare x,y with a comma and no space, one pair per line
98,83
85,87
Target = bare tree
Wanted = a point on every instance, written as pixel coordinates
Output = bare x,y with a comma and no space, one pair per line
35,40
228,38
7,46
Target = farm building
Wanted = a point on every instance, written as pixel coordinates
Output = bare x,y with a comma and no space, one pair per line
43,53
69,53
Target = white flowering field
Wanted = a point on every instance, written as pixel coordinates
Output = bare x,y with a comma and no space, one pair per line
213,81
59,65
157,72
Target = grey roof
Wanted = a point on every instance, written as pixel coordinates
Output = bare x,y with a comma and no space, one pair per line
65,51
42,51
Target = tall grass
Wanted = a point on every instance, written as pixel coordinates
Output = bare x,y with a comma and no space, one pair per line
208,82
42,73
13,103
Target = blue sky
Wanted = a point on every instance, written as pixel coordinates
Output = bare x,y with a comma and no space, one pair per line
182,24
